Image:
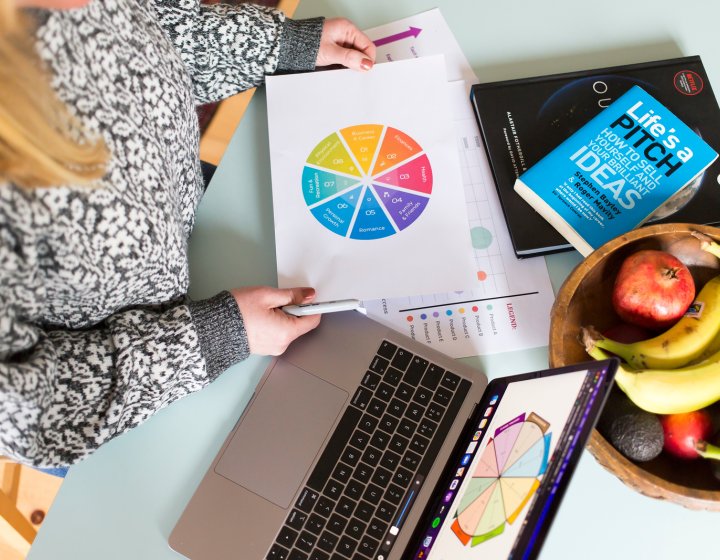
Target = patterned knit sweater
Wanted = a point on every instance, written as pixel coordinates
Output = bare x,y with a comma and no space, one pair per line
96,330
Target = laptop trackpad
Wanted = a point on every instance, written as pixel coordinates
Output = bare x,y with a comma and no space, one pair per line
281,433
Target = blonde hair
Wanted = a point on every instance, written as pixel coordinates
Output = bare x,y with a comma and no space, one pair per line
36,144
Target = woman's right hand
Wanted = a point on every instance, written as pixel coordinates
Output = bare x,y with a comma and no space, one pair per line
269,329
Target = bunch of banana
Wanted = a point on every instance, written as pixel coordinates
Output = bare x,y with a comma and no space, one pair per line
679,370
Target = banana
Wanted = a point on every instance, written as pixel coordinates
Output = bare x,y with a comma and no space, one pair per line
682,343
665,391
707,243
707,450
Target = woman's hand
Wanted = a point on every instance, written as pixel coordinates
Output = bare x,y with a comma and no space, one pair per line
269,329
343,43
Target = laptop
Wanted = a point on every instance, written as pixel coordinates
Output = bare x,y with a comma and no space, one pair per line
362,443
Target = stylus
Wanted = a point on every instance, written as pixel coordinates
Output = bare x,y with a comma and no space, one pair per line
319,307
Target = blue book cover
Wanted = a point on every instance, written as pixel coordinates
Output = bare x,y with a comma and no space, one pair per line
615,171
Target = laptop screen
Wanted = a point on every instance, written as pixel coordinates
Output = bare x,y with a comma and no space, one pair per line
505,480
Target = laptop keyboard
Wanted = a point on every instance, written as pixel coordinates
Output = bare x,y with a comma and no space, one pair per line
369,474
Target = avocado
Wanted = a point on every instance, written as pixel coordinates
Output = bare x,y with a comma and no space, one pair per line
634,432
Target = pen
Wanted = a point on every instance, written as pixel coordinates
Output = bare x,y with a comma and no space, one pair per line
319,307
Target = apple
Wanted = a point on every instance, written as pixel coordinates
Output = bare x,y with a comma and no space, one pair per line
682,432
653,289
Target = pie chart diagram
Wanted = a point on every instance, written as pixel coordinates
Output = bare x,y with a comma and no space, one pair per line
505,478
367,181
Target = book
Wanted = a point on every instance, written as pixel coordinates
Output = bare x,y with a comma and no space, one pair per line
522,120
615,171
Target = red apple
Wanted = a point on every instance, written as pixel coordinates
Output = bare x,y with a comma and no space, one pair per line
653,289
683,431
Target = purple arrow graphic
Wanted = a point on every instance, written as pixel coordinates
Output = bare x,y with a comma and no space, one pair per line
411,32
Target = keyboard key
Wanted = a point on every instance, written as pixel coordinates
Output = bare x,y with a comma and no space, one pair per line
318,555
356,528
411,460
402,477
385,391
380,439
372,456
394,493
306,541
407,428
342,472
443,396
402,358
315,524
393,376
415,411
377,529
306,500
364,511
450,380
286,537
277,552
373,493
427,427
354,489
368,423
296,519
350,456
396,407
379,365
387,349
415,371
434,412
347,546
327,541
376,407
432,377
297,555
390,460
370,380
404,392
333,489
337,524
423,396
361,398
368,546
399,443
363,472
419,444
346,506
388,423
385,511
324,506
382,477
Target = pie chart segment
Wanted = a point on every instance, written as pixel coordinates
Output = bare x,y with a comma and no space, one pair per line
371,221
363,141
331,154
487,466
476,487
395,148
529,463
492,522
516,493
415,175
477,509
336,213
504,445
319,184
403,207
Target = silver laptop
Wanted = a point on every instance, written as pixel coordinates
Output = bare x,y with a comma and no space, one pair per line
361,443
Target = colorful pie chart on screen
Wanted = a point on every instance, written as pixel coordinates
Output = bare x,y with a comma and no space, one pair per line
504,480
367,181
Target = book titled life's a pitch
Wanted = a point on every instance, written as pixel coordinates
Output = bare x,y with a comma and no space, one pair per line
615,171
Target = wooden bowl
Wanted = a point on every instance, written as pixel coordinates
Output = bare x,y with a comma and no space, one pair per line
585,299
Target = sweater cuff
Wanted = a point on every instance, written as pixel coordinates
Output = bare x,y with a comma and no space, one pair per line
299,44
221,332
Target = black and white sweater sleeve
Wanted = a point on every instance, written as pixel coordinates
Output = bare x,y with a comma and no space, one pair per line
228,49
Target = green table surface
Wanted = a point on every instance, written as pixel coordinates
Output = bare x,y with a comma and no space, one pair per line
124,500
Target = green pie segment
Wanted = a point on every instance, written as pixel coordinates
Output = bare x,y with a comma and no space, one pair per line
319,184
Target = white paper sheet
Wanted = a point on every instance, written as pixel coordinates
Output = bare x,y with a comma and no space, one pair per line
508,306
367,191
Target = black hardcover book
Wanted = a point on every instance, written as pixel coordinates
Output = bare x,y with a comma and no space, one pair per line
523,120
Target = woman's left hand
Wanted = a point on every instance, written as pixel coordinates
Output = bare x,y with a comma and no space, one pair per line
343,43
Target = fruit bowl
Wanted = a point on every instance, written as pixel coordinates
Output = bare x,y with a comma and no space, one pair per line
585,299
